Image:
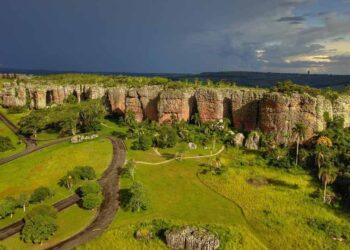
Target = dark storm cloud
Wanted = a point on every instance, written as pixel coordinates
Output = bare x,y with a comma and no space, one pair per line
165,35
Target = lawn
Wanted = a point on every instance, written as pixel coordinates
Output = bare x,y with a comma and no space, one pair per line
17,143
273,216
69,221
175,194
278,212
14,118
47,166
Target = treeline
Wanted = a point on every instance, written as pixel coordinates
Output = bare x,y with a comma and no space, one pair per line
66,119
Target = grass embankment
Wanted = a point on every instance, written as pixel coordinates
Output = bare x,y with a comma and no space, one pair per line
45,168
175,194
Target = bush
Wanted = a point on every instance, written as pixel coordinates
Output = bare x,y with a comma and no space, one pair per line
120,135
90,188
91,201
40,224
17,110
330,228
143,143
167,137
85,172
40,194
7,207
137,200
5,144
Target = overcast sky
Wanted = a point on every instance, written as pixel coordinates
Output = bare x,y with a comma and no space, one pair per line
176,35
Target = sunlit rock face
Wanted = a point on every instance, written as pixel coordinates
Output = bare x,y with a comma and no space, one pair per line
247,109
175,103
209,104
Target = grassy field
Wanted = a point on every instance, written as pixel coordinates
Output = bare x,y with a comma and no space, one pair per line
273,216
175,194
14,118
17,143
69,221
278,212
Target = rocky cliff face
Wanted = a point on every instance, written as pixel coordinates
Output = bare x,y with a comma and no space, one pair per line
248,109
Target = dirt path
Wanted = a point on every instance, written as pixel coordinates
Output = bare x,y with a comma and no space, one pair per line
109,182
183,158
110,205
28,141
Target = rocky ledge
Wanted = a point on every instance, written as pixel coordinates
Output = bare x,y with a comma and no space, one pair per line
247,109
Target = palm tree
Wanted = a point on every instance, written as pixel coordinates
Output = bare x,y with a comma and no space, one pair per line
327,175
320,155
299,131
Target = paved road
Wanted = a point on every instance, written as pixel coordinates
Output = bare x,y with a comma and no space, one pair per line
110,205
28,141
110,188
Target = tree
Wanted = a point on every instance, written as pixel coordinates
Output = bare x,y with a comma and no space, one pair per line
167,137
40,224
40,194
5,144
85,172
130,119
129,169
23,201
90,188
138,200
91,201
327,175
299,131
90,115
32,123
7,207
144,142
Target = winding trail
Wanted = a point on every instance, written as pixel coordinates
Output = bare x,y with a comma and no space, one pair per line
183,158
110,205
110,189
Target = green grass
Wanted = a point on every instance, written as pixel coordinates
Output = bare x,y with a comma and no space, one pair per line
277,213
14,118
17,143
46,167
70,221
176,194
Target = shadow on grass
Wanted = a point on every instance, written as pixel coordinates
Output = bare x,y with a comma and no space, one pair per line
263,181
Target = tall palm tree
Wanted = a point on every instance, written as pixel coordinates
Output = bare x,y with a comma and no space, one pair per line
327,175
299,131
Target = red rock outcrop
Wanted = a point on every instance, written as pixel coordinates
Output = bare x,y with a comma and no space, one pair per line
280,113
174,103
149,98
209,104
116,97
245,109
133,104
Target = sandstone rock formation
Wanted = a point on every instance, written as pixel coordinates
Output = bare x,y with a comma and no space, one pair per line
248,109
191,238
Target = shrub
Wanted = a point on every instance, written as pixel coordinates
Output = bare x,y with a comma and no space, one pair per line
120,135
167,137
138,200
143,143
17,110
90,188
5,144
85,172
7,207
91,201
40,224
40,194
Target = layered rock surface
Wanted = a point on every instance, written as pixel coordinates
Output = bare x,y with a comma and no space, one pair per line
248,109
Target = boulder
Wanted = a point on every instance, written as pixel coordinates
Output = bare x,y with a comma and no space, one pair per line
253,140
191,238
238,140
